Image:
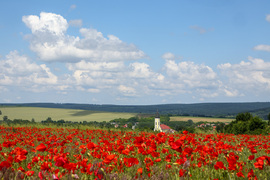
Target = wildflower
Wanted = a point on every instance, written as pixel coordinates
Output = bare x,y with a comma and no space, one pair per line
251,157
130,161
29,173
240,174
109,158
182,172
140,171
41,147
219,165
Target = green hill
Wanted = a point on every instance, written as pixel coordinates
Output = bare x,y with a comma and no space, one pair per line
198,109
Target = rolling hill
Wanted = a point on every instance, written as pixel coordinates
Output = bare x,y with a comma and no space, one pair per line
261,109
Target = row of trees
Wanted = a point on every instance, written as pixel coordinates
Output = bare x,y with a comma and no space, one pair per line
246,123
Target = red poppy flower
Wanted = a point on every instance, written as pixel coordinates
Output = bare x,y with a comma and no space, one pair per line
109,158
240,174
251,173
182,172
91,146
126,151
4,164
60,162
259,164
29,173
130,161
219,165
140,171
251,157
41,147
185,132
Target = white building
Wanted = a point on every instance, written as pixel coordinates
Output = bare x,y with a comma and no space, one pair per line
157,123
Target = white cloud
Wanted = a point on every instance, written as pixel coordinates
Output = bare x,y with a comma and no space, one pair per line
17,70
73,6
168,56
231,93
46,23
140,70
93,90
96,66
190,74
127,91
137,79
245,77
134,79
75,23
262,47
268,17
51,43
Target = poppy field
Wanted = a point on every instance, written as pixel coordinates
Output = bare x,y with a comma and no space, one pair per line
62,153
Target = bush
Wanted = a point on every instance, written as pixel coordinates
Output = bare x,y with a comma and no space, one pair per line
245,123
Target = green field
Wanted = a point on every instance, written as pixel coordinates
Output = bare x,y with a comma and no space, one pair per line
75,115
198,119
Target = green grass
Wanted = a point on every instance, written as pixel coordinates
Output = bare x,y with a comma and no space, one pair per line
198,119
75,115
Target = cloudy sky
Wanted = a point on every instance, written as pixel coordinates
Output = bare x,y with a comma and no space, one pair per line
134,52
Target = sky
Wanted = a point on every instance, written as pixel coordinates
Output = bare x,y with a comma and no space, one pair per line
134,52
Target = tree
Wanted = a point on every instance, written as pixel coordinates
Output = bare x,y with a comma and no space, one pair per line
256,123
0,112
220,127
245,123
243,117
5,118
190,122
268,119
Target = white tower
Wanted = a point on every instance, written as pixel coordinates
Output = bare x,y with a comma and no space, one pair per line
157,122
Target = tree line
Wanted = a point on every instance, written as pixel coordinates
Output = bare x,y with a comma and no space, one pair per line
244,123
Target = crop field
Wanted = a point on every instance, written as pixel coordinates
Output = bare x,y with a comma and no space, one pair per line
61,153
40,114
198,119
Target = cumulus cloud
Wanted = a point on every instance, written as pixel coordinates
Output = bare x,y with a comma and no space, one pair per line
247,76
190,74
168,56
127,91
46,23
140,70
51,43
18,70
262,47
138,79
134,79
75,23
96,64
268,17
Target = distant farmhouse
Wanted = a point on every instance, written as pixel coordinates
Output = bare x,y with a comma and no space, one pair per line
161,127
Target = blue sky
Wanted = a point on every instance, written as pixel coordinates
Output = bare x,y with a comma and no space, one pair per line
134,52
